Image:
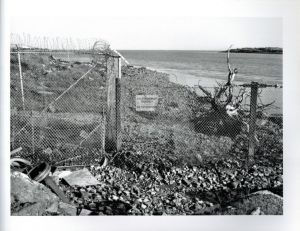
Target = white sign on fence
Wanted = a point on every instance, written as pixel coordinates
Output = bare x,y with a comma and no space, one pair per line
146,102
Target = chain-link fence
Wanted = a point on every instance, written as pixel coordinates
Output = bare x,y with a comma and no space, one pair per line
59,103
71,105
191,124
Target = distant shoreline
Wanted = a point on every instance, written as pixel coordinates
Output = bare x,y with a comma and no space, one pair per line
258,50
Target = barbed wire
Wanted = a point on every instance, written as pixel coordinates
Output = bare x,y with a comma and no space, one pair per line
27,41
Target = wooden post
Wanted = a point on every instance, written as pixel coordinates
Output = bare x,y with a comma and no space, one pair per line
103,118
21,80
113,108
118,105
252,128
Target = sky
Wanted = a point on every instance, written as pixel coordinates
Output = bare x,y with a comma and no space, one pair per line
157,33
155,24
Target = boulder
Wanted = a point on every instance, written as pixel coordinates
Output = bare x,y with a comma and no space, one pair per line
30,198
259,203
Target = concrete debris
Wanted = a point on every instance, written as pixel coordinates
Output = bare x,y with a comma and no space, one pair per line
81,178
58,175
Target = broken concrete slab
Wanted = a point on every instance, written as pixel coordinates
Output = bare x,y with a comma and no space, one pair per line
58,175
30,198
81,178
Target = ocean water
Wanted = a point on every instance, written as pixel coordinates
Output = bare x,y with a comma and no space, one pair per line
209,67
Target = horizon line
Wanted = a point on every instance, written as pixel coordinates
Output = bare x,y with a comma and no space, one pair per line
195,49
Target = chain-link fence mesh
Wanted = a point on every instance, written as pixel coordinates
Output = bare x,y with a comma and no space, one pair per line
190,124
59,103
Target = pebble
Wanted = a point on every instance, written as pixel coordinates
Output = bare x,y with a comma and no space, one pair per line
155,197
115,197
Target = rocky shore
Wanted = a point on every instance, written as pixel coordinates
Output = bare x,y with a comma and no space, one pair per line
258,50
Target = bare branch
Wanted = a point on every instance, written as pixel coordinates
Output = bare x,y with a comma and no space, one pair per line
205,91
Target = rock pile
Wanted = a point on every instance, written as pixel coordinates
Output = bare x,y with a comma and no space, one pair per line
176,191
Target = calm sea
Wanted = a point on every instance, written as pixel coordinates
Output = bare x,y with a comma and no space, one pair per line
209,67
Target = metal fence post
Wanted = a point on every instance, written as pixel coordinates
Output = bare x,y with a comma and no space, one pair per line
252,128
21,80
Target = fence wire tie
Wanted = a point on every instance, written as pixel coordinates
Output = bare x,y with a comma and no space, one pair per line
68,89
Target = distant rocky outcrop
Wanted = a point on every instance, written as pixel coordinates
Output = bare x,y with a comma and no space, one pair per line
259,50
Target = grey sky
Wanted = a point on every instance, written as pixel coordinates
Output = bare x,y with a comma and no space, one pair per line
167,33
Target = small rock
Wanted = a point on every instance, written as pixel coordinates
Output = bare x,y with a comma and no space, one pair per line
108,210
114,197
186,182
146,200
48,151
67,209
256,211
127,193
85,212
92,206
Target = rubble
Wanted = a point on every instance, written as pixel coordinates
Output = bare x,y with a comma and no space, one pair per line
148,189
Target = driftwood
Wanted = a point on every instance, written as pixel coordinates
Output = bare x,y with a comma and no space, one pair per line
223,101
